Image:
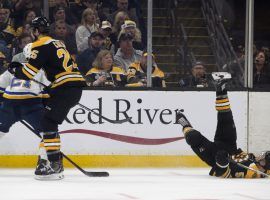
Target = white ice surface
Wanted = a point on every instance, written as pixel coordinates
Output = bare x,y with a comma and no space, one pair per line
131,184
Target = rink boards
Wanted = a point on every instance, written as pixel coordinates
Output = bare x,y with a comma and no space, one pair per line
151,138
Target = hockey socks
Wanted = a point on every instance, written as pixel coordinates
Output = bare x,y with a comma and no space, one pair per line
52,145
222,102
42,151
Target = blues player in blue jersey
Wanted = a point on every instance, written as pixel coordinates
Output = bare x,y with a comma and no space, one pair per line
22,99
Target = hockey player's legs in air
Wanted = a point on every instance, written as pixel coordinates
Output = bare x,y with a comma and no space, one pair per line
217,154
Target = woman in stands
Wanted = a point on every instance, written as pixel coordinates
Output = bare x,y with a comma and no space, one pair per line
104,73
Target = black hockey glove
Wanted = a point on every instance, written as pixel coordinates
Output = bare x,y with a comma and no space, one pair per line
222,159
13,66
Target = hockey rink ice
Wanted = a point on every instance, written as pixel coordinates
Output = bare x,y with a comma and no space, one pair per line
131,184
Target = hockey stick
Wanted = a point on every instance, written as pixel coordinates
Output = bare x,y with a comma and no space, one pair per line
87,173
92,111
105,118
249,168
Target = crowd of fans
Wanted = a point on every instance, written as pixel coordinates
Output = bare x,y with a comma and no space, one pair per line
106,38
103,36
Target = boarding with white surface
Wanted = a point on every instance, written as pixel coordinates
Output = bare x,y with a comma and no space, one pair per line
151,135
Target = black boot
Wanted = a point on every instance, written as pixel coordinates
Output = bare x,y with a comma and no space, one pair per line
40,164
49,170
220,79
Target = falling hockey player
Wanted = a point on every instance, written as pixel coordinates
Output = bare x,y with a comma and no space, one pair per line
65,92
222,155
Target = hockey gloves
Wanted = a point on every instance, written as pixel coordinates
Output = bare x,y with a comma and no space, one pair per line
222,159
13,66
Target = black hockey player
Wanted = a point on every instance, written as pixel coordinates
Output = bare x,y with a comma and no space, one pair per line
65,92
222,155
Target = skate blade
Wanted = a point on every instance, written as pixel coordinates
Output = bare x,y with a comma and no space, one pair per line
219,75
50,177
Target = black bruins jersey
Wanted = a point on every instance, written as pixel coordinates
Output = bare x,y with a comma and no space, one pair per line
236,171
51,55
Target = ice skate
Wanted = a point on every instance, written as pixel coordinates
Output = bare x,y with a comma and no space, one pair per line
49,170
181,119
220,79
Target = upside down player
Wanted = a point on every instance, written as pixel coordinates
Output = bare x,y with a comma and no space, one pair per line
222,154
65,92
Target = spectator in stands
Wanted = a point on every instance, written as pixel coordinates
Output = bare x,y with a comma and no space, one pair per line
119,20
261,74
3,62
81,5
122,5
104,72
86,58
198,77
110,39
22,6
29,15
88,26
137,73
23,40
126,54
71,19
26,29
59,14
130,27
7,32
60,32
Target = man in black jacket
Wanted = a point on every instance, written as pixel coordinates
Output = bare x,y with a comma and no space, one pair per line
86,58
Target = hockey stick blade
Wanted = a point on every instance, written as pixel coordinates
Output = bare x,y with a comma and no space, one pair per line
105,118
90,174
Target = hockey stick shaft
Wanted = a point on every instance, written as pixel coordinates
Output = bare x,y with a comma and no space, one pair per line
249,168
92,111
103,117
91,174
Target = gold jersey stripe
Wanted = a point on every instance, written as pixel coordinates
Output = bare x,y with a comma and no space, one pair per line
66,73
41,41
30,76
252,174
31,67
67,80
7,96
226,173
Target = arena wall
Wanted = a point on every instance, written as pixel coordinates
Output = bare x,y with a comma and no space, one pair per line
151,138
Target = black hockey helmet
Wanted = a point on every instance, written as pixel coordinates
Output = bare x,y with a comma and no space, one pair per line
41,23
